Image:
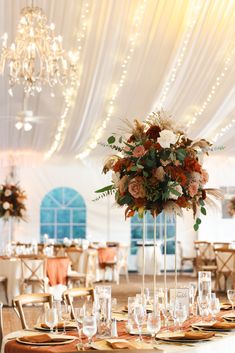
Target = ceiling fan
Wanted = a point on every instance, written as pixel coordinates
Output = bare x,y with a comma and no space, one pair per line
25,119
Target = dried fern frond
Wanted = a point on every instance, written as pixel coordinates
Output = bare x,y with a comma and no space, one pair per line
216,193
171,207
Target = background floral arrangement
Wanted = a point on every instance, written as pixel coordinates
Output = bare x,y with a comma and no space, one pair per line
12,202
158,168
231,206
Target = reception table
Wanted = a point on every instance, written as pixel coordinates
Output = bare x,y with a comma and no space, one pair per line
220,343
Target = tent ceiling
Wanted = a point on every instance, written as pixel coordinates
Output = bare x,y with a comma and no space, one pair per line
183,48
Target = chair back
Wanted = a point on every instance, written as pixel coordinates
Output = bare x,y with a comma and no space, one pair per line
90,265
205,252
33,268
19,301
218,245
79,293
74,254
225,259
1,324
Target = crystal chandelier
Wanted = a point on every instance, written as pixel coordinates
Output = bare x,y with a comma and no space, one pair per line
37,56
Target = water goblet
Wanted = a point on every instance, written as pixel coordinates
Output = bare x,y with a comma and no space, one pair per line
153,325
65,315
139,316
51,318
214,307
231,297
89,328
181,314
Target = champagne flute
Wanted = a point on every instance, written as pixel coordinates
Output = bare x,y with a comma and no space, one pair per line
89,328
51,318
153,324
166,312
79,314
231,297
139,316
65,315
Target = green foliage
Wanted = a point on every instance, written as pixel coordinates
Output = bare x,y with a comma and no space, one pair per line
111,140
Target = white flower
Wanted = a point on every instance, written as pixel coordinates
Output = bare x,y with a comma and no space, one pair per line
177,188
7,192
116,179
167,138
6,205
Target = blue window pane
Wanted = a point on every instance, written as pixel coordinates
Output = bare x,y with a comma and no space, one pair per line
69,195
79,232
47,229
63,216
57,194
136,219
49,202
79,216
77,202
63,231
47,216
136,232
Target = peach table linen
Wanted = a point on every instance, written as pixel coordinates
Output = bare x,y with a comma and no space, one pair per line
57,269
107,255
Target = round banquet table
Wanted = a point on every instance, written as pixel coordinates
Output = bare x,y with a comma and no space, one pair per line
221,343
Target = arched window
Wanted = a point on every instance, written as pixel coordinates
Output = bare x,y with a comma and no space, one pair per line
63,214
137,231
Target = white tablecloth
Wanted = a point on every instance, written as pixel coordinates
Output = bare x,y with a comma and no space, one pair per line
149,259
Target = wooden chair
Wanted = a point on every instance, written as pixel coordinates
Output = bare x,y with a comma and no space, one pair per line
122,260
218,245
4,281
33,272
87,276
108,258
205,256
78,293
25,299
1,325
225,259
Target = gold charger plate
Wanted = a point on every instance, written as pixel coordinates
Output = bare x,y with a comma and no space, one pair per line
211,328
67,340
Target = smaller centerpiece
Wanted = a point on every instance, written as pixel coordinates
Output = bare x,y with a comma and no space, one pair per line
12,202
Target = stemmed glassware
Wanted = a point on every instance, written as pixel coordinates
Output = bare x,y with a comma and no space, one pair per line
181,314
231,297
214,307
79,314
65,314
51,318
203,305
153,324
166,312
139,316
89,328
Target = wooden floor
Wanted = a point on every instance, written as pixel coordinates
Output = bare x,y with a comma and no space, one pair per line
121,292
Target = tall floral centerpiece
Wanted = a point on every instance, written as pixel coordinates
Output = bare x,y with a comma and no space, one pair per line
158,168
12,204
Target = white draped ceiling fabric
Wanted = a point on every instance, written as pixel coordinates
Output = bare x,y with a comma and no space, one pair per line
135,56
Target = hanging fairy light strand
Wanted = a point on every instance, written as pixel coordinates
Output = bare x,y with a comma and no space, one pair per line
223,130
134,36
191,22
219,79
70,92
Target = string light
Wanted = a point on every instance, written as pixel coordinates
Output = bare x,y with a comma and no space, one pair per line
70,92
180,57
110,107
223,130
214,88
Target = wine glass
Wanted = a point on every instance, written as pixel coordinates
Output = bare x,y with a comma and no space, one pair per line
203,305
139,316
79,314
181,314
65,315
89,328
57,305
214,307
231,297
51,318
153,324
166,312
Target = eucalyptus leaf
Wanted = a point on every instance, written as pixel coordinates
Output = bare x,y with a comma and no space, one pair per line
196,226
203,211
111,140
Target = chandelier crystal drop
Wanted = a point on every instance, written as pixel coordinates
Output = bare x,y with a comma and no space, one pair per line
37,57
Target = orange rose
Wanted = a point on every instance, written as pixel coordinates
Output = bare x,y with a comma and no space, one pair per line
136,187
